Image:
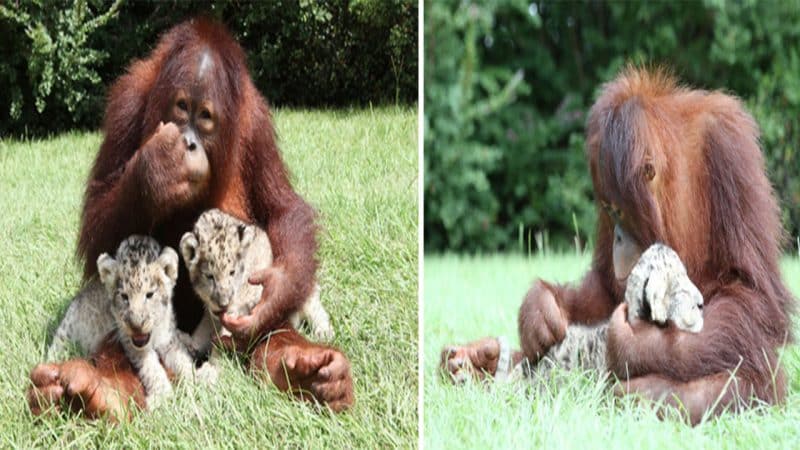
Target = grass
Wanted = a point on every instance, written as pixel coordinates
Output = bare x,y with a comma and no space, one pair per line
358,168
471,297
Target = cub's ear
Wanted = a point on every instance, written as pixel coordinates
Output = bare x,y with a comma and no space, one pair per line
189,249
169,262
107,269
246,234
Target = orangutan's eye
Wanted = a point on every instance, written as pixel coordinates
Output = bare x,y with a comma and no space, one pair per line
649,171
618,234
612,211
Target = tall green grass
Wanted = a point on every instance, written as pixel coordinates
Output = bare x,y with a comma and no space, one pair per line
358,168
471,297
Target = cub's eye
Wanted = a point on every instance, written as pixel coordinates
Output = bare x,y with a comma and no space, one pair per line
183,105
209,277
150,294
231,273
124,296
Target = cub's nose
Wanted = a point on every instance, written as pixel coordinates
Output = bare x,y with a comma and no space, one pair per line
222,300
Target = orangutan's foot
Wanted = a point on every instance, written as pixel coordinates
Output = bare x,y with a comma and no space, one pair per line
314,373
477,360
77,385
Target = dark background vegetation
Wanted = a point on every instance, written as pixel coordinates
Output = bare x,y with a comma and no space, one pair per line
57,57
508,84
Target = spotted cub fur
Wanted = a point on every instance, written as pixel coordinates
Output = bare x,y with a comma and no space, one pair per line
221,253
132,297
658,289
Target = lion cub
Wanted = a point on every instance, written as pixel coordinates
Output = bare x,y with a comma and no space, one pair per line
658,290
134,298
220,254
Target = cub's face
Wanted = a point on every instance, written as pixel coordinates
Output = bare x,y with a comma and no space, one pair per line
214,254
688,309
139,282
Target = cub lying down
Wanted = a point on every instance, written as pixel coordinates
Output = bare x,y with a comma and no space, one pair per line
221,253
658,289
133,297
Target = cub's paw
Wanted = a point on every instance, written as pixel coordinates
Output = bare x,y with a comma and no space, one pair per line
323,334
655,292
158,396
207,373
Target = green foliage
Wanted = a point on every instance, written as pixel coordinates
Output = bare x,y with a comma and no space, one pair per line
508,84
301,52
60,68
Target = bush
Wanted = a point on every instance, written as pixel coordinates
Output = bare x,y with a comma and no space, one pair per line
52,66
301,53
508,84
